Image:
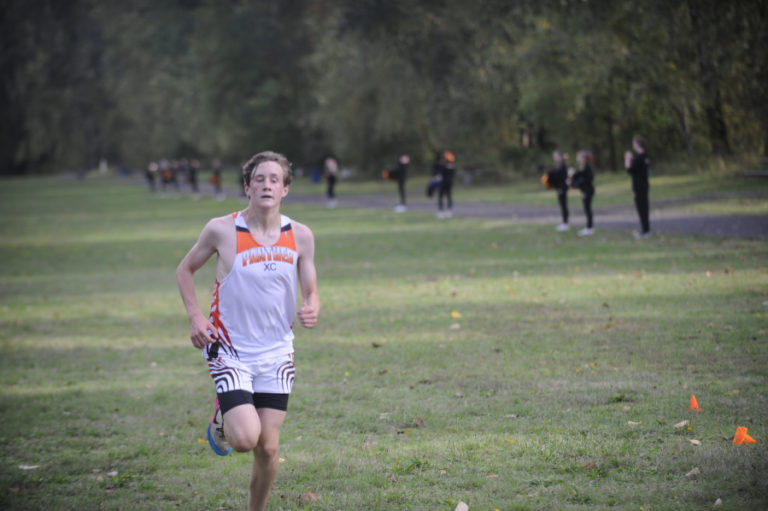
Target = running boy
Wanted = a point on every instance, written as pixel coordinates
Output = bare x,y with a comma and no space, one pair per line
248,340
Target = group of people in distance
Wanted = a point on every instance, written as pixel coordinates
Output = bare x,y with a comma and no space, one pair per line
443,172
561,179
172,173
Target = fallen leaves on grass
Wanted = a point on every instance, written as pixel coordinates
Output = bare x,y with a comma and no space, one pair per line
419,422
634,423
392,478
29,467
718,502
683,424
306,497
376,345
455,314
455,326
201,441
461,506
694,441
693,472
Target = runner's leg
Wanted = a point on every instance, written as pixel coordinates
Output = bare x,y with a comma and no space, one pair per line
265,457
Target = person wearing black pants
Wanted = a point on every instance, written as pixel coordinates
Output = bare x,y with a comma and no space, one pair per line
400,174
445,169
584,179
638,166
558,179
331,172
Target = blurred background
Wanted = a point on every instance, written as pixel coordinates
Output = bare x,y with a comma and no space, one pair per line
498,82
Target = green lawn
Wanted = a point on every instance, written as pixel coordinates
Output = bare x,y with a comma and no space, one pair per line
484,361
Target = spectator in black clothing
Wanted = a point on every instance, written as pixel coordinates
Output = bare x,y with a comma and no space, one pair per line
400,174
584,180
192,169
444,171
638,166
331,173
558,179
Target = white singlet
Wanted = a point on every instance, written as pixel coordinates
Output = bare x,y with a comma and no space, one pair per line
254,305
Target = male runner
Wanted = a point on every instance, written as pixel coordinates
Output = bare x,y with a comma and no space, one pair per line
248,340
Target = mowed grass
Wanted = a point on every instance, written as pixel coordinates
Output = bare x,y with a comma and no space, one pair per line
484,361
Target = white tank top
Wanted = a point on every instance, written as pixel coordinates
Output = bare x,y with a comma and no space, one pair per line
254,306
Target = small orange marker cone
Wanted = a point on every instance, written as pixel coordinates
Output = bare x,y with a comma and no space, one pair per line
695,405
741,436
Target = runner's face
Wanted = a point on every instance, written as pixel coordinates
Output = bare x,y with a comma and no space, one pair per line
266,187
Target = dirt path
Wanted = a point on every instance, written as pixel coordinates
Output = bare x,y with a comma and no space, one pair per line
666,216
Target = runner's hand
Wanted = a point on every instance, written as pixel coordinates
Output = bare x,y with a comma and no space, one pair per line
202,332
307,316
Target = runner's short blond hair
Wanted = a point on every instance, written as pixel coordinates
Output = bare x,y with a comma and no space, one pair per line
264,156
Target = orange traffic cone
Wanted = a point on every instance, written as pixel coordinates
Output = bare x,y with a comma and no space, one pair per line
695,405
741,436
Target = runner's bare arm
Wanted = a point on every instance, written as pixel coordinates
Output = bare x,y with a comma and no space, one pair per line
310,306
202,331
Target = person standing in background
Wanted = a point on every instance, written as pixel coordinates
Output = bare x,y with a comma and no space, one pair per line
638,165
400,174
192,169
445,170
558,179
331,173
584,180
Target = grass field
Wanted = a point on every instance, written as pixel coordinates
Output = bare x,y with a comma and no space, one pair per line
484,361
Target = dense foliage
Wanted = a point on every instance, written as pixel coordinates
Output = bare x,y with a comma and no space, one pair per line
491,79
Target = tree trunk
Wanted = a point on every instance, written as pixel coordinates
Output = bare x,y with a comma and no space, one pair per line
611,144
708,76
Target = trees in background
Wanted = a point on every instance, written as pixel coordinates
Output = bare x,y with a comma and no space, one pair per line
365,79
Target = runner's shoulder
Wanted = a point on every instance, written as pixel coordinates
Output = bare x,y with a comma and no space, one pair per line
302,233
219,226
